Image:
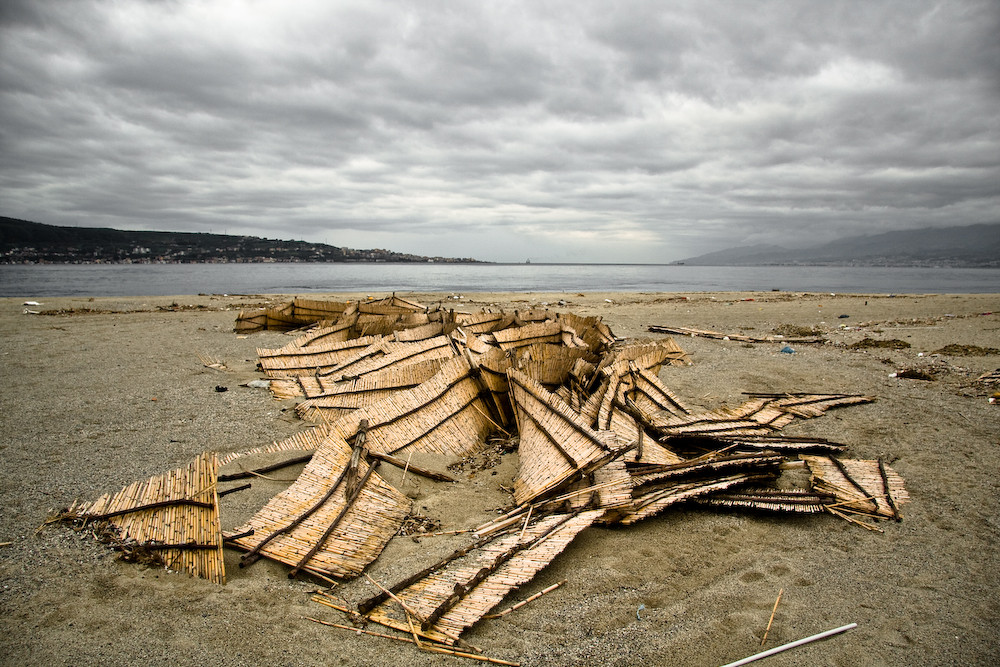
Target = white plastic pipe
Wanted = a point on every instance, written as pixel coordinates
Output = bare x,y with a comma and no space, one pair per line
797,642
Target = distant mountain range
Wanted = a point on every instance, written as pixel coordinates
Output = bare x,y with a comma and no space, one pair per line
22,241
968,246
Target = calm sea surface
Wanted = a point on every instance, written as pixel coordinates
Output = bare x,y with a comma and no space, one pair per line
30,281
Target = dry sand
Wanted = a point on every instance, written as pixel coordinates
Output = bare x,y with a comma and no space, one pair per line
115,392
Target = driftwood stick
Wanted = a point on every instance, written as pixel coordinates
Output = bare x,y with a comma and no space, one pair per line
438,534
265,469
406,608
350,483
527,518
526,600
423,472
888,494
771,620
790,645
407,640
241,487
140,508
406,468
850,519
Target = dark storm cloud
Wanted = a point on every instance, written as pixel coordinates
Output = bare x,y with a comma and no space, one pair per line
643,133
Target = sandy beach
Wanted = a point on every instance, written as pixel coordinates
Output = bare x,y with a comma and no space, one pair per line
101,392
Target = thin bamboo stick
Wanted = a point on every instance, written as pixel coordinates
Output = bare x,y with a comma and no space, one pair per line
771,620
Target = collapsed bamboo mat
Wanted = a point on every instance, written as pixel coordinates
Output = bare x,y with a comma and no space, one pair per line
393,354
760,415
369,523
292,359
550,365
654,502
860,485
555,443
591,329
335,399
422,332
445,415
529,334
508,568
174,515
762,499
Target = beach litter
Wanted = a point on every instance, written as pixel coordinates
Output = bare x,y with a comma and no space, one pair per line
387,383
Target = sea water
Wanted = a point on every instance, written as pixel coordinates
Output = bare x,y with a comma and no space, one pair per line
44,280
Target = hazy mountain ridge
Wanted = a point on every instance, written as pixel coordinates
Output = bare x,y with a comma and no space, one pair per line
967,246
22,241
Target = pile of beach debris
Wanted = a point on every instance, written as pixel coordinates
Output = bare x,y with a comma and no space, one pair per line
599,438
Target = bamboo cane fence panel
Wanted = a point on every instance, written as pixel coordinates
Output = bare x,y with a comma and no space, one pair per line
758,416
656,501
796,501
325,333
417,333
493,366
813,405
480,344
250,321
318,386
555,444
539,332
777,443
367,390
293,360
484,322
309,344
594,332
368,525
550,365
610,488
302,441
395,355
314,310
194,528
428,594
444,415
392,305
862,485
348,366
648,356
533,315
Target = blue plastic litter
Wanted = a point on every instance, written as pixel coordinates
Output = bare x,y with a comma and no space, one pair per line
787,350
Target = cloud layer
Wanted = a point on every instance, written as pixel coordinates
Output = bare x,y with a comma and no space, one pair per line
556,131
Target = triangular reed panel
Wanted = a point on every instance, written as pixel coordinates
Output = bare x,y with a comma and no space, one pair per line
174,515
361,534
502,565
860,485
556,444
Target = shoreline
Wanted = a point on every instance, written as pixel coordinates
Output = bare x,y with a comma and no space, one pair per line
81,420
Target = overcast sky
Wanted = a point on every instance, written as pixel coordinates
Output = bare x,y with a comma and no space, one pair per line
504,131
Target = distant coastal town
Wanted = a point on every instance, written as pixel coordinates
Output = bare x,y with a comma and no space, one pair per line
24,242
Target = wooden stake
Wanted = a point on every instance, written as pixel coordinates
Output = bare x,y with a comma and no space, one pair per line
771,620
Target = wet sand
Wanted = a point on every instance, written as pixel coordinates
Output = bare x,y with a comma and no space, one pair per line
112,390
